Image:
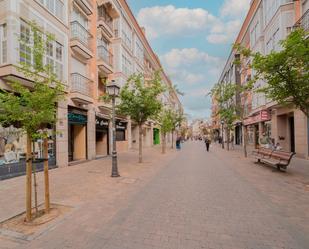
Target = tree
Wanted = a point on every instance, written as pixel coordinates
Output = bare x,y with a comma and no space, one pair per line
286,71
165,121
228,110
140,100
34,107
177,118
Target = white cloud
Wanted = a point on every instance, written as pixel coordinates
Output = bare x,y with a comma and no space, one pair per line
187,56
218,38
159,20
224,33
234,8
194,72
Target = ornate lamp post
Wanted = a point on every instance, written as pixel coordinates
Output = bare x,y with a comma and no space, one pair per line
113,90
222,142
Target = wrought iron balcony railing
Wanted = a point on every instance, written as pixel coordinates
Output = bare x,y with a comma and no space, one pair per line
81,84
79,32
105,55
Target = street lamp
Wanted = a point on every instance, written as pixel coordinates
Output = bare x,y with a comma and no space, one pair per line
222,141
113,91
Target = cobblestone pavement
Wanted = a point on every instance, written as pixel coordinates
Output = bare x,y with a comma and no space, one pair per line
193,200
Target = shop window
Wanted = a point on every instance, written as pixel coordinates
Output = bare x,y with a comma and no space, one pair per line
13,144
120,135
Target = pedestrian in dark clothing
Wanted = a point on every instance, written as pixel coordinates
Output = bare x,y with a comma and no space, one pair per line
178,141
207,143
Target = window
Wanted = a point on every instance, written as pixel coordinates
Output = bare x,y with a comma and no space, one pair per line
139,51
24,46
80,18
127,35
126,65
59,12
50,55
120,135
254,34
3,43
59,61
56,7
273,42
53,56
103,13
271,7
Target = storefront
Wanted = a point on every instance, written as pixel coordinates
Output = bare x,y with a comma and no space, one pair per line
77,134
257,126
121,135
13,144
238,134
102,137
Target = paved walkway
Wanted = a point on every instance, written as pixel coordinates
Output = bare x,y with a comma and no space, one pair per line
189,200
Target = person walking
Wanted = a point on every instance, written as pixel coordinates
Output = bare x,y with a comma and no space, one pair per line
178,141
207,143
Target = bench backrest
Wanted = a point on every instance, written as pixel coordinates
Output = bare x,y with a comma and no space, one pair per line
283,155
265,151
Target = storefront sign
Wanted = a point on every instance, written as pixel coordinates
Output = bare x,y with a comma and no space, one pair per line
101,123
120,125
77,118
261,117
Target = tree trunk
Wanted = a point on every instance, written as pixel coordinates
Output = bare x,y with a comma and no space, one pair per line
228,138
245,141
28,179
173,139
35,185
140,145
163,143
46,177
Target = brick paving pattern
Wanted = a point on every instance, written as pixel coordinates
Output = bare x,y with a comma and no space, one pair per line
189,200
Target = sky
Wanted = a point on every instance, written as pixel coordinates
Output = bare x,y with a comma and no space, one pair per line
193,39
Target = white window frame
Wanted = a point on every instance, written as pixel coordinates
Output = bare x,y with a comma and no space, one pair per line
57,64
53,7
3,43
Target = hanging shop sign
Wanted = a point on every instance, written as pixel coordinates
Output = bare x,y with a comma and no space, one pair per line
101,123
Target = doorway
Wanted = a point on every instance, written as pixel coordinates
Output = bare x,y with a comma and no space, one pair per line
77,142
102,142
292,134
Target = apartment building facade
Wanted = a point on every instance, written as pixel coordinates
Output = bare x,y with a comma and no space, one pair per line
268,22
96,41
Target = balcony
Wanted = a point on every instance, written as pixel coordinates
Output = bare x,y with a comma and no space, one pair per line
105,59
86,6
80,38
81,88
303,22
106,24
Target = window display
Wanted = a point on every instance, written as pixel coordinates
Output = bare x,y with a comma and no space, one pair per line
13,142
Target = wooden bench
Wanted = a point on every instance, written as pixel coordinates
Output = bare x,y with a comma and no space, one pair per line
262,153
279,159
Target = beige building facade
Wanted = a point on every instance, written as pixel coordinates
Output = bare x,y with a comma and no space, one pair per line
96,41
268,22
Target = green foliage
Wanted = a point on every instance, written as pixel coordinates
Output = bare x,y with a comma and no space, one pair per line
286,71
177,118
140,98
33,107
165,120
225,94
